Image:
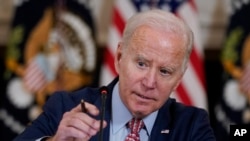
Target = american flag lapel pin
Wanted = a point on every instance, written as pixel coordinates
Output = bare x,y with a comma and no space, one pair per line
165,131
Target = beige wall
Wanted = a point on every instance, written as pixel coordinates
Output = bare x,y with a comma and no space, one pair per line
6,12
213,15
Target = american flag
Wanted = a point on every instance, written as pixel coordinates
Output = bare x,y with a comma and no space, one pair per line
34,77
192,89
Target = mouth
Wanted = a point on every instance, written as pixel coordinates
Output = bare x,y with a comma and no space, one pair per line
144,97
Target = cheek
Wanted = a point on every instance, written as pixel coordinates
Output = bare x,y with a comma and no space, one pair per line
130,76
164,90
128,70
125,72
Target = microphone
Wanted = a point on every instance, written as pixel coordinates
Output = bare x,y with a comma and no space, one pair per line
103,92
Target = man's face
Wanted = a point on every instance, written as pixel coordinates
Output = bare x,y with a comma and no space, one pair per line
149,69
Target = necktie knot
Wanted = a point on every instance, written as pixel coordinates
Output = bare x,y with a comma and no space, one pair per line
135,126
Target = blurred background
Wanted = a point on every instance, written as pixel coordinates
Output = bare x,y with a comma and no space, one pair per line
51,45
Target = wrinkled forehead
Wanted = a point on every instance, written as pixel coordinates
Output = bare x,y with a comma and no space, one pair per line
150,35
146,30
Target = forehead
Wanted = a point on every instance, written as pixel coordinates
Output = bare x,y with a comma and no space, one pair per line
157,48
157,40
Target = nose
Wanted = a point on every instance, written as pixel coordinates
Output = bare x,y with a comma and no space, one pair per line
149,80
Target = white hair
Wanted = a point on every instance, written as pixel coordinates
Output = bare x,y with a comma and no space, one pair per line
162,20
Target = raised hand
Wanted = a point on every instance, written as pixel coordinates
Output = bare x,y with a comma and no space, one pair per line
78,126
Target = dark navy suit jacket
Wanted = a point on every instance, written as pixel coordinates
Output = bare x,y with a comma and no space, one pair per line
183,123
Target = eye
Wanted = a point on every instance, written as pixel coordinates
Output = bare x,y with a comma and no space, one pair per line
141,64
164,72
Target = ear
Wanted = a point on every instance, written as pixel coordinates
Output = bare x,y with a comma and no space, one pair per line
118,57
180,77
177,84
179,81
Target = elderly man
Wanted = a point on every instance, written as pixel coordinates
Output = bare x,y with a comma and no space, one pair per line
150,59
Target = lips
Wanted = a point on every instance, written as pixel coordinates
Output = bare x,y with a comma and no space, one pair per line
144,97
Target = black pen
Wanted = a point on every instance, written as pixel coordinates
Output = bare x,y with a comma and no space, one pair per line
84,110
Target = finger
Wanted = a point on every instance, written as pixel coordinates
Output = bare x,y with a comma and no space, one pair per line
82,139
87,126
86,123
72,126
81,121
92,109
78,125
104,124
69,132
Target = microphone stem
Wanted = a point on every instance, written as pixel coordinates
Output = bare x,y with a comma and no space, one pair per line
103,96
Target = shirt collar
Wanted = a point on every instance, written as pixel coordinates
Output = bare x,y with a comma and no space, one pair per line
121,115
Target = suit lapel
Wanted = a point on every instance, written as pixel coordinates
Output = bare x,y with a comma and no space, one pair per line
162,127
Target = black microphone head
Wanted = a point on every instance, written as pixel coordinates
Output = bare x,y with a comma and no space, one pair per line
104,90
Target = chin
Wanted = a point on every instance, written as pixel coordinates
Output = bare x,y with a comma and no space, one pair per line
140,113
140,110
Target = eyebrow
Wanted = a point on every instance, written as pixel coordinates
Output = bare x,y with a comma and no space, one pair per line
141,57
